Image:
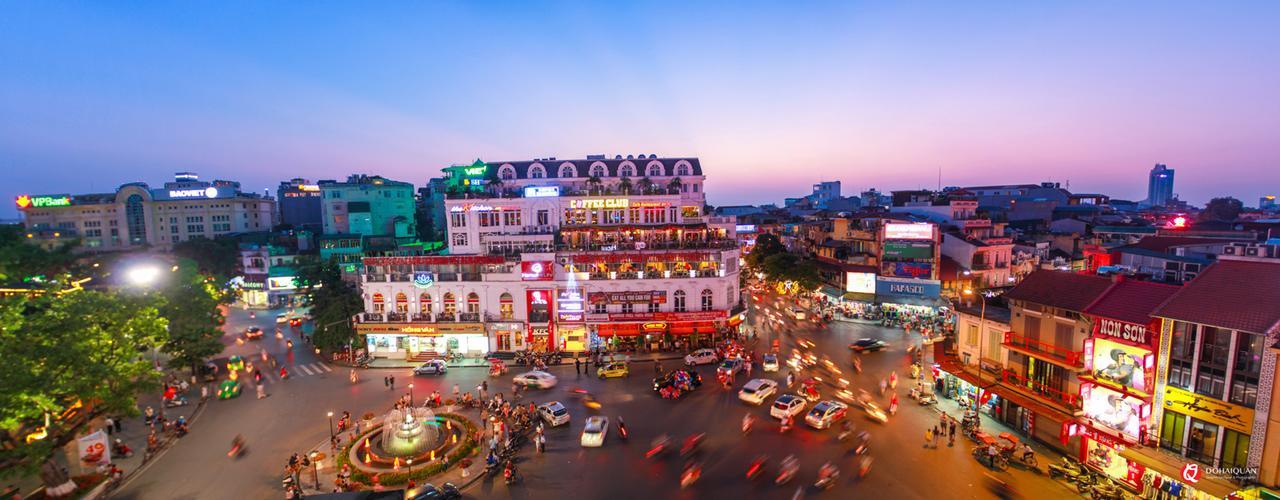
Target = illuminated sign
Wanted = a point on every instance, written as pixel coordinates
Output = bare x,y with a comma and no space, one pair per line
1120,364
423,279
1128,332
25,201
909,269
281,283
928,289
746,228
1115,411
474,171
541,191
899,231
308,187
1237,418
209,192
571,317
860,282
654,327
908,250
537,271
476,207
600,203
637,297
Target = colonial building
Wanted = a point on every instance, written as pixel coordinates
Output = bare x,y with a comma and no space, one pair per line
136,215
561,255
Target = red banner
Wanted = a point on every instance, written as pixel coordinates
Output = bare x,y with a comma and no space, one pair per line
669,316
428,260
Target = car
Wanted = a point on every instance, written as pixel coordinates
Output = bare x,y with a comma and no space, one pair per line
432,367
868,345
554,413
295,321
662,382
730,367
805,343
282,318
593,433
757,390
874,412
253,333
614,369
787,405
429,491
770,362
825,413
535,378
701,357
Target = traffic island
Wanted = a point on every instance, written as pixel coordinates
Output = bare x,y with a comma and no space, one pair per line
413,444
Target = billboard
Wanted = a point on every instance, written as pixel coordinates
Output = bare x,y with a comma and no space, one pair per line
908,250
860,282
541,191
909,269
908,231
1114,410
537,271
569,306
629,297
899,287
281,283
1121,364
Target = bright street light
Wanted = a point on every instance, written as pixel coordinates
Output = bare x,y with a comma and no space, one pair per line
142,275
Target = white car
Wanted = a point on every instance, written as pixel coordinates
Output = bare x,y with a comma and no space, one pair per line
701,357
757,390
825,413
770,362
554,413
787,405
536,378
593,433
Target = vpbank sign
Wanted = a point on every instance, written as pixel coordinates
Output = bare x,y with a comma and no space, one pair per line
905,287
209,192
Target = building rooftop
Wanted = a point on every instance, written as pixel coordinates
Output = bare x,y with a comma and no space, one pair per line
1131,301
612,166
1237,294
1164,243
1066,290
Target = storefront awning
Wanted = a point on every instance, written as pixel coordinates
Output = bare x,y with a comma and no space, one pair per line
860,297
909,301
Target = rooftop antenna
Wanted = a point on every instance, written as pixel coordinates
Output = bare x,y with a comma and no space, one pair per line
939,177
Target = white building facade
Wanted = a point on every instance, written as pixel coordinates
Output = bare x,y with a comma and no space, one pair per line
562,255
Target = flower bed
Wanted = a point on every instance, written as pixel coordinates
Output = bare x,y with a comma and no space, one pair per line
459,452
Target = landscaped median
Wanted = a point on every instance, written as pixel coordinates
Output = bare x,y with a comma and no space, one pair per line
370,468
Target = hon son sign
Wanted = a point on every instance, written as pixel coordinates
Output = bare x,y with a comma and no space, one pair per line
1120,330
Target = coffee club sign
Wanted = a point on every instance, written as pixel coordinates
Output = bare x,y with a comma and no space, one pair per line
1126,332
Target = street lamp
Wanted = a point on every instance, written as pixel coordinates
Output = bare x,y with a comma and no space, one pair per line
330,427
315,468
410,394
143,275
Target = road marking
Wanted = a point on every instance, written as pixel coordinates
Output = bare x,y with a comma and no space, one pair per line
325,367
305,370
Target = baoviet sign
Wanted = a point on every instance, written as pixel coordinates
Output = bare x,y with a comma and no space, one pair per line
1237,418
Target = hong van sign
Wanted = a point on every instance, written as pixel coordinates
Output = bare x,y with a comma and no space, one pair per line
1124,331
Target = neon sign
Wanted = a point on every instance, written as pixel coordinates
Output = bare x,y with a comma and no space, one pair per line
209,192
25,201
600,203
541,191
423,279
474,171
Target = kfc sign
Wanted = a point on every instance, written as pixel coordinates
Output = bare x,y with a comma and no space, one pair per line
537,271
1128,332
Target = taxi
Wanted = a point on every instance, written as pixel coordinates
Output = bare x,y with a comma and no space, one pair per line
614,370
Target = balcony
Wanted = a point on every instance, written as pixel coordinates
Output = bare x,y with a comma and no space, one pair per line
423,318
1068,400
372,317
397,316
469,317
446,317
641,246
1043,350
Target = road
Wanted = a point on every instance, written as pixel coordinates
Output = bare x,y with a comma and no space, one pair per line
293,419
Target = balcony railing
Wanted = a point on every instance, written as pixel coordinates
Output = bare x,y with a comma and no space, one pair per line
371,317
469,317
1012,379
640,246
446,317
423,317
1015,341
396,316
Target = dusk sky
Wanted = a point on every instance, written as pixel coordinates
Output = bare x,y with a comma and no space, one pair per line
771,96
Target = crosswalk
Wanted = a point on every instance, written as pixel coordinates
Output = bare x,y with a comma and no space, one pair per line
302,370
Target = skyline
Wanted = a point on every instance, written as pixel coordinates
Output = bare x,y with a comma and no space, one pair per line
872,95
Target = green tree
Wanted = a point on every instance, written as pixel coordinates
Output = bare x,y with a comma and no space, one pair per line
767,245
333,303
20,260
195,318
791,267
1222,209
219,257
71,358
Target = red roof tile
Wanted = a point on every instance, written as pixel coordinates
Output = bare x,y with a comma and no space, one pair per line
1236,294
1070,291
1132,301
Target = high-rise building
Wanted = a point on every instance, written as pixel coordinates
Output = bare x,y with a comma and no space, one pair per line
561,254
1160,186
873,198
368,205
1267,203
299,201
136,215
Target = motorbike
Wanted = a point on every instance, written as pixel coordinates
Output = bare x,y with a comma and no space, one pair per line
747,421
690,475
1067,469
692,444
175,402
1106,490
788,470
622,429
757,466
510,475
659,447
827,478
237,449
864,439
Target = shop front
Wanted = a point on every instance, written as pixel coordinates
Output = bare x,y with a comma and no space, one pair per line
252,290
410,340
571,317
540,338
961,387
507,336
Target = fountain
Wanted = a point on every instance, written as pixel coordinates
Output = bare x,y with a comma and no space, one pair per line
405,433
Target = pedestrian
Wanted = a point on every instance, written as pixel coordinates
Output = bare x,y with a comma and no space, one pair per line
386,381
118,423
748,366
457,394
577,365
392,379
484,388
109,425
942,419
928,437
542,443
937,436
951,432
262,391
149,415
204,392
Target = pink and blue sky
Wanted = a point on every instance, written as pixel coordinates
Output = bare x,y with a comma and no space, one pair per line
773,96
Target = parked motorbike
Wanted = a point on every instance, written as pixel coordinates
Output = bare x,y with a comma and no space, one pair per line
1106,490
1066,468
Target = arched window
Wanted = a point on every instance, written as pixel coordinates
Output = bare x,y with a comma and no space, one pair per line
506,172
424,303
506,306
706,299
655,169
402,303
683,170
450,304
597,170
379,303
626,169
680,301
537,171
567,170
473,303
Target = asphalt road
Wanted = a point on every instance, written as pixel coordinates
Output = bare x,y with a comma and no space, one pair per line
293,419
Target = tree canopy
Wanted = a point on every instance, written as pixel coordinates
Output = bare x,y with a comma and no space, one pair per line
218,257
20,260
195,320
333,303
1222,209
791,267
767,245
72,357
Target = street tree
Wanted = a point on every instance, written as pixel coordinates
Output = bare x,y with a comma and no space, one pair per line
791,267
1222,209
334,303
767,245
218,257
192,306
69,360
20,260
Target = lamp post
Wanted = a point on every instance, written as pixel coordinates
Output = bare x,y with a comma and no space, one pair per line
330,415
410,394
982,340
315,469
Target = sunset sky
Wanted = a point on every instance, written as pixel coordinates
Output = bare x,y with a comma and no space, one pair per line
772,96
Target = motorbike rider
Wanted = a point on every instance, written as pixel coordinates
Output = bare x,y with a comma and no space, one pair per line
786,424
790,465
1027,452
828,472
747,421
238,442
622,428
